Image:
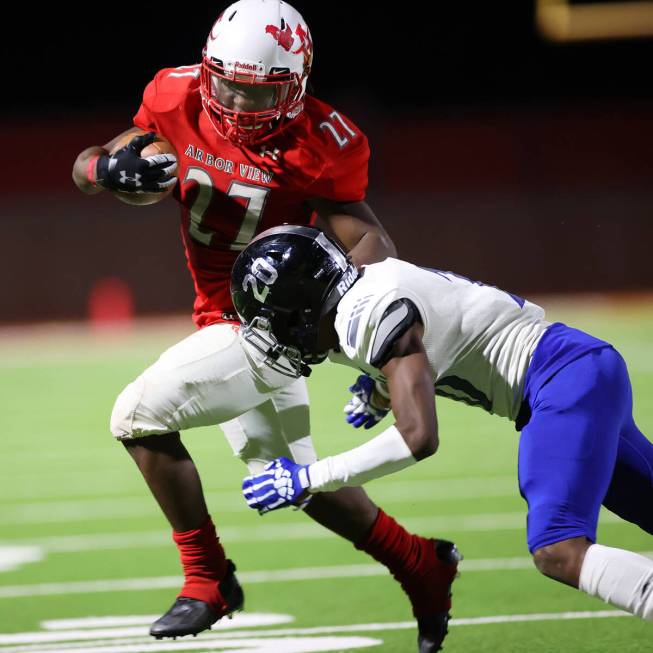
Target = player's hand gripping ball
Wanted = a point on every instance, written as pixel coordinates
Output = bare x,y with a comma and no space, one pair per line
140,168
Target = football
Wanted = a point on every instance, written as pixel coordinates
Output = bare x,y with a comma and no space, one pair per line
159,146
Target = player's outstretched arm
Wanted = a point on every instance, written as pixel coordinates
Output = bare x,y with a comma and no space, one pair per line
413,437
357,228
411,393
82,176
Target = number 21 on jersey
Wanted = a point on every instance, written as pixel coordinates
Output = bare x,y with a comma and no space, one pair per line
339,129
255,196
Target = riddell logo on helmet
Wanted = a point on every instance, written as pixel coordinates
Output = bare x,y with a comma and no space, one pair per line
254,67
347,280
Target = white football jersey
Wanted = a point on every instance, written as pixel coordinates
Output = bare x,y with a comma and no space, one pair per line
479,339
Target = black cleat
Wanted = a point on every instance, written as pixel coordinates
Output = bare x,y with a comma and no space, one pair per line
192,616
432,629
431,632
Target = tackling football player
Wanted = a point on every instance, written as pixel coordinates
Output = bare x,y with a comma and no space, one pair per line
254,150
419,332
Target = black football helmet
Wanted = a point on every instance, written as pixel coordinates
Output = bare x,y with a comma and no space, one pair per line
282,283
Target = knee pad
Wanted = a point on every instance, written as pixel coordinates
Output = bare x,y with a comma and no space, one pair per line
132,418
124,409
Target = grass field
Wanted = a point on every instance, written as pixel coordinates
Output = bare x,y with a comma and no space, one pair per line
81,539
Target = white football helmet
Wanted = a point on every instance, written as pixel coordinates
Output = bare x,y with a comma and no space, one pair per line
254,69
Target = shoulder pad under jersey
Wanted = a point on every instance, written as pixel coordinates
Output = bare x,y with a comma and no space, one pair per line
170,88
395,321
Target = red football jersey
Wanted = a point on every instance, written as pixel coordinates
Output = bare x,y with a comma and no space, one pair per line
229,193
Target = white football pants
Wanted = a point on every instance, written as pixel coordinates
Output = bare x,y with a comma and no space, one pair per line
215,377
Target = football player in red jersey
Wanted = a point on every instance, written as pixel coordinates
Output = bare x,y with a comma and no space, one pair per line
254,151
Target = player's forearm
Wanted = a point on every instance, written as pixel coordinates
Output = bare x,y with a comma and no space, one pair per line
385,454
410,385
374,246
357,228
411,396
83,172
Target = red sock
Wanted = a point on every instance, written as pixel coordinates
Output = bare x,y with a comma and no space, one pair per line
413,562
204,563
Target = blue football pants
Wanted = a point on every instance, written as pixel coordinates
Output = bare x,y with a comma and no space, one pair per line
580,449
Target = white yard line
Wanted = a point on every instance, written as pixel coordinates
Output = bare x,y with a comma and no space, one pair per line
240,620
248,577
105,622
89,587
280,531
13,557
249,644
115,640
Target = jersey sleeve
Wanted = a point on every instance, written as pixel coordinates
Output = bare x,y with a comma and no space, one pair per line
371,325
145,118
346,150
166,92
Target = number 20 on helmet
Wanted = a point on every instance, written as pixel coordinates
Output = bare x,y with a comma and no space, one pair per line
282,284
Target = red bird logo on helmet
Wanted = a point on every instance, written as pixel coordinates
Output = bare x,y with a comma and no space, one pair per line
306,46
284,38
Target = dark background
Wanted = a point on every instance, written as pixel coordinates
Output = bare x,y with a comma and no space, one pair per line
495,152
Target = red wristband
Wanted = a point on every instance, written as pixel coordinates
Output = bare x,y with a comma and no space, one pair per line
90,170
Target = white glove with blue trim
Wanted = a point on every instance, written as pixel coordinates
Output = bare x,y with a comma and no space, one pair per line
282,483
370,403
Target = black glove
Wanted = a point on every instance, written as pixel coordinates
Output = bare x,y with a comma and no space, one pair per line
126,171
